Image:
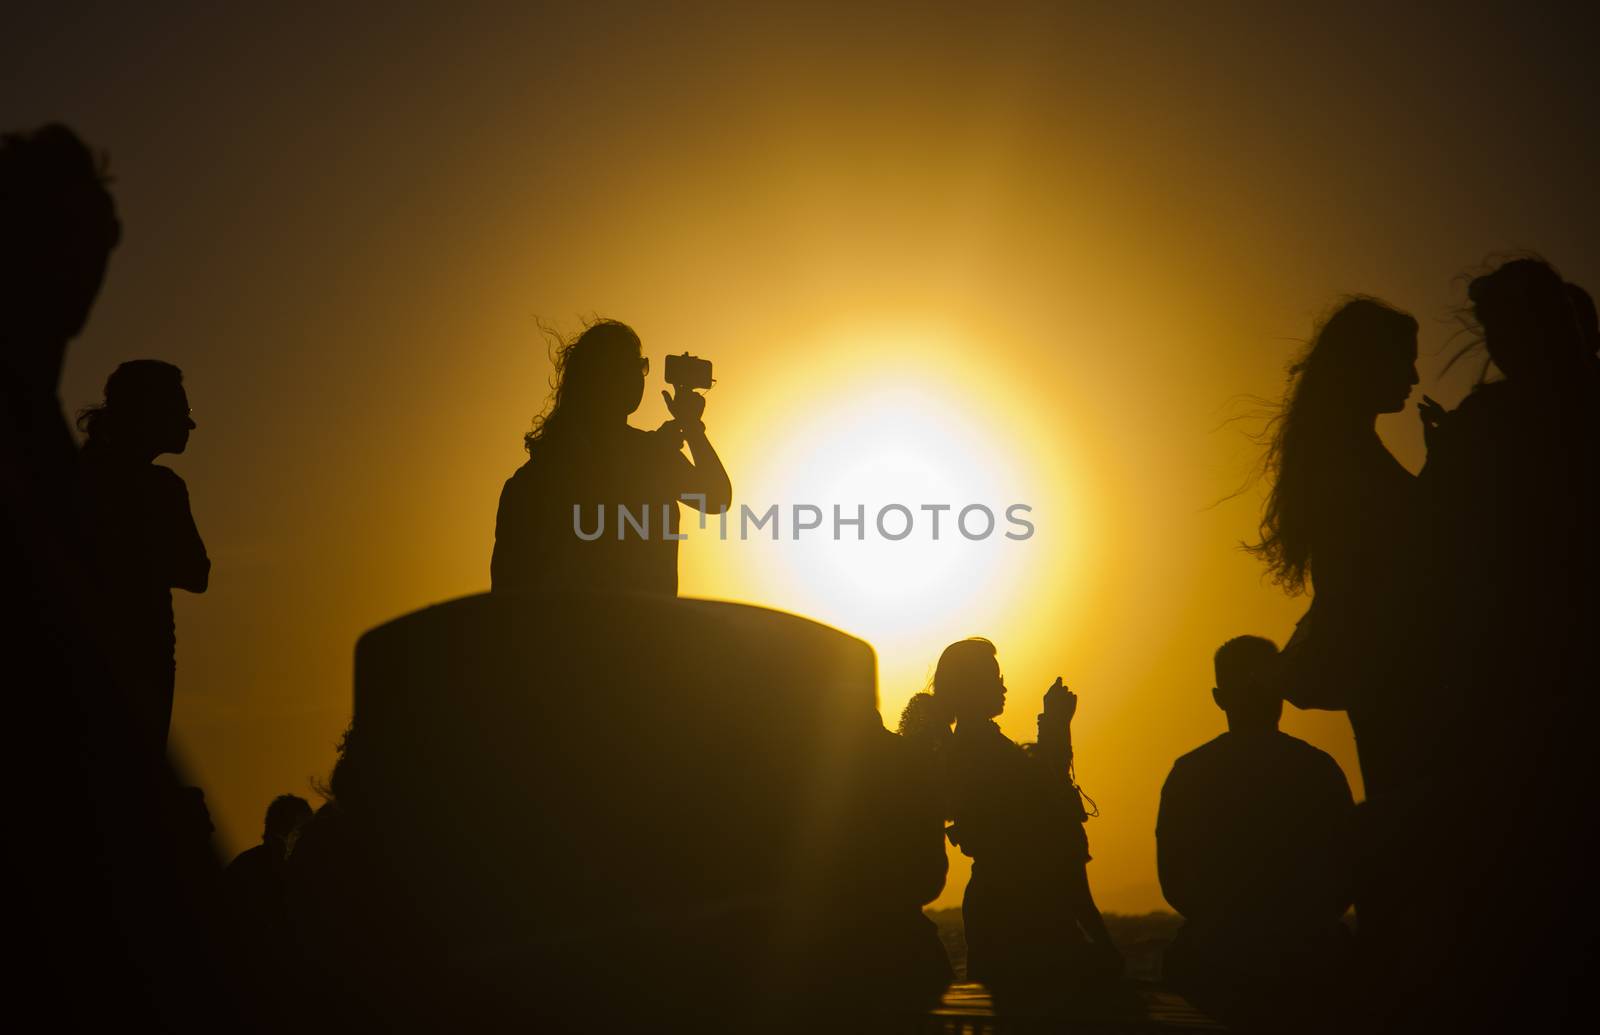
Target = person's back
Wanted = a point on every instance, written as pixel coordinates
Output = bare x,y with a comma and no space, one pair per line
570,488
1250,845
1248,834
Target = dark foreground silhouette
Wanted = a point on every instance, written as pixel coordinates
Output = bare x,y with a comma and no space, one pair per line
745,824
1474,653
115,924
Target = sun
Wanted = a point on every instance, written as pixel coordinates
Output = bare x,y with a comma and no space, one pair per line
923,495
931,498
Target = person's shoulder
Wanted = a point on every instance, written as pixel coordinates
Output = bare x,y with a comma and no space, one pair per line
523,478
1213,748
247,859
1295,746
1309,756
165,479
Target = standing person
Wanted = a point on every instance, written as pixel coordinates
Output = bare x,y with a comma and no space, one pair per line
561,519
1034,935
257,880
1513,482
139,520
117,927
1252,850
1342,516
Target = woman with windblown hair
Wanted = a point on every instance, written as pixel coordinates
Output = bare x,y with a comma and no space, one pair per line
1034,935
1341,516
585,462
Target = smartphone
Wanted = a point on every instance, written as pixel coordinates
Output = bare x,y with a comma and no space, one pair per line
686,371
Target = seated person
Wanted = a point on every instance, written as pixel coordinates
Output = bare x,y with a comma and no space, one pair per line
1250,849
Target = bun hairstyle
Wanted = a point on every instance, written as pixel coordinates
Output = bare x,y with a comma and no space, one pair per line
130,391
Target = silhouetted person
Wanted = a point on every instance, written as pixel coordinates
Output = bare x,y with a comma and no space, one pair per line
115,918
1251,850
257,879
1342,515
1034,935
559,525
256,887
1511,481
138,517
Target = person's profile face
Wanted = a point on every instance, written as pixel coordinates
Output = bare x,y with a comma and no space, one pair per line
1394,375
984,695
171,421
620,378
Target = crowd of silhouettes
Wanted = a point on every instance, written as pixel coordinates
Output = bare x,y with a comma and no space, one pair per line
1452,617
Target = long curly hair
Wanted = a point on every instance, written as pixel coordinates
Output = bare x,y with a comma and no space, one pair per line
583,365
1300,437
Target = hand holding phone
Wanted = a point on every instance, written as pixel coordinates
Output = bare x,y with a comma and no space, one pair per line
1059,700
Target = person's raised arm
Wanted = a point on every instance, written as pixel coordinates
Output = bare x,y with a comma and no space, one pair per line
710,477
1055,728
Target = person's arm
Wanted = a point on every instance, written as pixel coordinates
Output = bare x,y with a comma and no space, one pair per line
182,553
710,478
1174,852
1055,728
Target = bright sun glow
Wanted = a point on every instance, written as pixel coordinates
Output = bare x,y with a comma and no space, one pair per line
925,426
904,447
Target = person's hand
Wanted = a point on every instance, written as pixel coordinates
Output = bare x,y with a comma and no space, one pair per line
1432,416
686,407
1058,700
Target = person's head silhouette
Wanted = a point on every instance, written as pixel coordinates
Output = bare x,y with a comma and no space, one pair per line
968,681
1245,689
599,381
285,816
145,412
1525,313
1362,361
58,226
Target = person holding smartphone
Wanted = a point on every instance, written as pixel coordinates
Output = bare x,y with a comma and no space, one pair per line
1034,934
596,505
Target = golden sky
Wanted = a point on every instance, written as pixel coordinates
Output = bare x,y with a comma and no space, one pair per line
1034,255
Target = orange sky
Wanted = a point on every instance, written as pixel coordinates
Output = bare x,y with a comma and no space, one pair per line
1043,250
